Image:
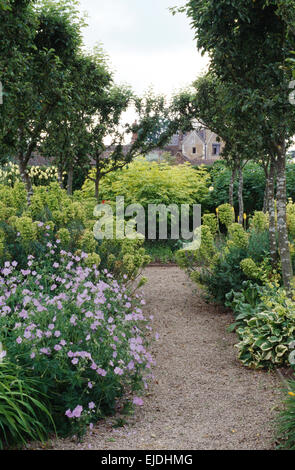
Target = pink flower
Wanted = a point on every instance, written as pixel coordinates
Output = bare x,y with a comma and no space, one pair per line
77,411
91,405
137,401
118,371
131,365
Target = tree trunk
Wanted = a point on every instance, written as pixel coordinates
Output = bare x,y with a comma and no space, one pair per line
241,200
231,187
284,247
25,178
272,213
266,198
60,177
97,181
70,179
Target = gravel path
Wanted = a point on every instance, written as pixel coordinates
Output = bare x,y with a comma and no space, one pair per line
201,397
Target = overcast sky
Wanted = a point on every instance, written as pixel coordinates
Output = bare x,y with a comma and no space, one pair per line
147,45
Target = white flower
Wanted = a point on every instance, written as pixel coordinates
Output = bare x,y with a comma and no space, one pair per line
2,353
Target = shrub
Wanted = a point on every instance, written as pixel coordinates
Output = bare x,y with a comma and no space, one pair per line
143,182
225,214
193,259
78,329
266,336
265,324
211,221
250,269
238,236
52,216
259,222
222,265
291,218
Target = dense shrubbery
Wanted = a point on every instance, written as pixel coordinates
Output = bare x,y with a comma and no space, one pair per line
254,186
67,319
77,330
53,215
143,182
265,325
236,271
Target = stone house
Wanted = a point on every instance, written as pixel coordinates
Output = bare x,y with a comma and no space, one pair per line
200,146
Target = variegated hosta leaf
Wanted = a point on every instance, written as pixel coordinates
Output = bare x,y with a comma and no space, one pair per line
292,358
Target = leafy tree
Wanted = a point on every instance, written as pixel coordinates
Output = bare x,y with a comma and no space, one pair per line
210,103
248,43
153,128
67,139
34,74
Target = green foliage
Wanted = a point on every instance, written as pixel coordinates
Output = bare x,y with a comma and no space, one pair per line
161,251
78,332
253,187
286,420
34,67
266,329
204,257
40,176
225,275
212,222
223,264
225,214
291,218
238,237
250,269
125,258
144,182
23,408
55,216
259,221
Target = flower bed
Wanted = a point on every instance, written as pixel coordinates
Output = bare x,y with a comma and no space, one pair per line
77,331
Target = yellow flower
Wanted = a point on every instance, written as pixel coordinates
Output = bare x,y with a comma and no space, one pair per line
245,216
291,394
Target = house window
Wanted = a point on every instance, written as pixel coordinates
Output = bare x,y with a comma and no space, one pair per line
216,149
194,150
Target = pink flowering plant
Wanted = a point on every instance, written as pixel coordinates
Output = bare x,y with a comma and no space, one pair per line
78,331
